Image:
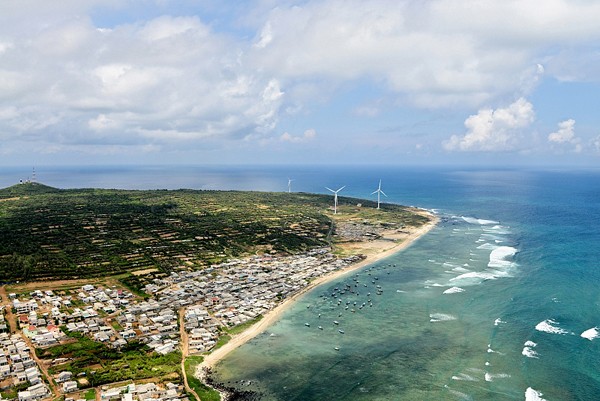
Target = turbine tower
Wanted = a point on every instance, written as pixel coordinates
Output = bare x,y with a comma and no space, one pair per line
290,185
335,197
378,192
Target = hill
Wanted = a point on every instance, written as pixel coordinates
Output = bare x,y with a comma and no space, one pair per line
49,233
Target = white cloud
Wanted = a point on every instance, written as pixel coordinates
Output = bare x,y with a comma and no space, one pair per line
69,79
164,80
596,144
308,135
266,36
493,130
439,53
566,135
565,132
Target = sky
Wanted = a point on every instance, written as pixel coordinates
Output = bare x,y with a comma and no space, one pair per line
391,82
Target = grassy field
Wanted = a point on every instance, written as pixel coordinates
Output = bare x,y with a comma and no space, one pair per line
101,365
47,233
204,392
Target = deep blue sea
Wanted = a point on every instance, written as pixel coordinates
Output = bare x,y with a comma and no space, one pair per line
500,301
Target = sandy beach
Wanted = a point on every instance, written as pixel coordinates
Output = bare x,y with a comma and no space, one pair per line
376,250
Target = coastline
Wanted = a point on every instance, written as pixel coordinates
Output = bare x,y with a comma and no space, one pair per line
273,315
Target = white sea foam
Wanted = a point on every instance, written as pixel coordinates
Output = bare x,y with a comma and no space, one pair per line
590,334
491,351
487,246
491,377
498,321
549,326
440,317
465,377
453,290
498,229
529,352
473,220
533,395
473,277
499,257
491,237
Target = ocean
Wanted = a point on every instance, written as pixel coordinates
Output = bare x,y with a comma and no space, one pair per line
500,301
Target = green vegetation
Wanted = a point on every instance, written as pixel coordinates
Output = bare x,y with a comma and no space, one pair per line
90,394
115,325
204,392
47,233
134,284
223,339
102,365
12,392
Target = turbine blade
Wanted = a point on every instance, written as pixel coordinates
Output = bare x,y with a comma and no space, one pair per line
330,189
383,193
341,188
374,192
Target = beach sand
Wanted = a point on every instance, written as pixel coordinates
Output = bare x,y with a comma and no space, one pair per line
373,250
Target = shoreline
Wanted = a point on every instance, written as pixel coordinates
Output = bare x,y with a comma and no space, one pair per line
273,315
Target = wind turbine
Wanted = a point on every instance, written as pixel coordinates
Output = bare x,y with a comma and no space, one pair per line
335,197
379,192
290,185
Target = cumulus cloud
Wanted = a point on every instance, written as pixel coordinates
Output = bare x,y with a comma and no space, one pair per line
68,79
164,80
308,135
493,130
566,135
439,53
565,132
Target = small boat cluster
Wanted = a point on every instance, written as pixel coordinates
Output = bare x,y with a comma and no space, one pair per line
342,297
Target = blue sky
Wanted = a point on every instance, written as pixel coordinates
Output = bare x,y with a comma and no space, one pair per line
486,83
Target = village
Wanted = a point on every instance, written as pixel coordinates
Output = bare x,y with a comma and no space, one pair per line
185,311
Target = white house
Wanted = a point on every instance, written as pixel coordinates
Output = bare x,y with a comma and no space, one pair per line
69,386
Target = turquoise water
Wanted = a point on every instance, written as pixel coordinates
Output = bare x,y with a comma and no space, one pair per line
519,254
523,246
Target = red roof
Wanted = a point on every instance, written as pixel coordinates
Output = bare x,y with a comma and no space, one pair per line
23,318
